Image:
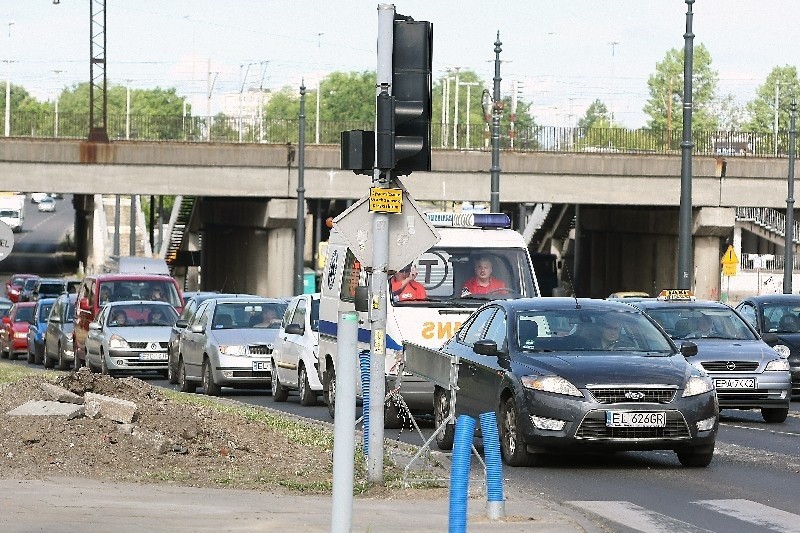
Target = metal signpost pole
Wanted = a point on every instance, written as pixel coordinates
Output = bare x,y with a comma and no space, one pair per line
300,228
685,216
380,255
788,261
497,109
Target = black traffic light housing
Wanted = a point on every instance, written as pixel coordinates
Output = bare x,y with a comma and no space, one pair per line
404,118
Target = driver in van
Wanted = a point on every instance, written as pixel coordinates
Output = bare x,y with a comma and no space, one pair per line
405,287
483,282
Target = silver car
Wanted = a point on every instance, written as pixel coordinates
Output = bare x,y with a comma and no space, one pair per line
58,335
228,344
130,336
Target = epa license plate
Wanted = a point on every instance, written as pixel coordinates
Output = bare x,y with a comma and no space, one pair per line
735,383
634,419
150,356
260,366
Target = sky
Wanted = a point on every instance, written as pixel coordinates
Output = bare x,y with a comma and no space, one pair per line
559,55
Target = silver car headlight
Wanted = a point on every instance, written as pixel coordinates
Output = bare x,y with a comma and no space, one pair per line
554,384
782,350
117,342
232,349
778,365
698,385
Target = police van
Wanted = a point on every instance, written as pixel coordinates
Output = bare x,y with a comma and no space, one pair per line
443,270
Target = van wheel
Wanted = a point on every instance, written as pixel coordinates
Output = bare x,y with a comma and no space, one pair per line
307,396
330,391
183,383
279,392
209,385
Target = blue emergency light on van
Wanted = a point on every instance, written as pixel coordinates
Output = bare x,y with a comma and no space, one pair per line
469,220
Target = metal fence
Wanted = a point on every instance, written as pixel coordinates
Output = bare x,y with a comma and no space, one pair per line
254,129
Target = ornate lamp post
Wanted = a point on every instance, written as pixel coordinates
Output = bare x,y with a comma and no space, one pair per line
685,216
788,262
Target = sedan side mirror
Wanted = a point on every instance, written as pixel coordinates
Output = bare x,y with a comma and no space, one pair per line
770,338
94,326
180,324
485,347
294,329
688,349
197,328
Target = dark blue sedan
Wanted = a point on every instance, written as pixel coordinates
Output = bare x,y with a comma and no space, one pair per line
573,375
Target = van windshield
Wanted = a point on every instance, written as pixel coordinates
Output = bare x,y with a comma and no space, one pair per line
469,276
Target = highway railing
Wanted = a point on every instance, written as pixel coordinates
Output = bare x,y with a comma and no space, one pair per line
254,129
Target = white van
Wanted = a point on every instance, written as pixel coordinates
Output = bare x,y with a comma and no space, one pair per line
443,271
12,211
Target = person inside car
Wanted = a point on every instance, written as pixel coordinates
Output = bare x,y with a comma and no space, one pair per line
483,282
267,319
157,318
404,285
119,318
157,295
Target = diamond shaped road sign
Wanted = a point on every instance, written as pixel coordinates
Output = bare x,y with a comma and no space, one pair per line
410,233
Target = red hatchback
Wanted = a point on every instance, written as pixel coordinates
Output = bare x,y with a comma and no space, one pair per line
14,334
14,285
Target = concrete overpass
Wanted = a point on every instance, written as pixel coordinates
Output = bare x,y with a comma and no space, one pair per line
628,202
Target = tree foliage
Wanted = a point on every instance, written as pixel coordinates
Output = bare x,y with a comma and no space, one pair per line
762,107
665,106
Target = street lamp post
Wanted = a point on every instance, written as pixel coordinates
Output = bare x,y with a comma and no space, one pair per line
685,216
788,263
300,229
497,110
8,86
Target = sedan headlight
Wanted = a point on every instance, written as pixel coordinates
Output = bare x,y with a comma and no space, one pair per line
117,342
698,385
778,365
233,349
782,350
554,384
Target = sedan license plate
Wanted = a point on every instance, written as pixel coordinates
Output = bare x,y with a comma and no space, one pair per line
635,419
735,383
151,356
261,366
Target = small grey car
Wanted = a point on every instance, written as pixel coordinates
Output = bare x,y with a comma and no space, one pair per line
130,336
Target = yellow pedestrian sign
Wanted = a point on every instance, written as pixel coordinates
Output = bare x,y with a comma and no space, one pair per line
730,262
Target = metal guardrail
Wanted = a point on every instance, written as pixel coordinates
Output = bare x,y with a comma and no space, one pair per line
254,129
775,222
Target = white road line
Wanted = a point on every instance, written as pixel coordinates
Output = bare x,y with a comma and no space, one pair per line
636,517
768,429
755,513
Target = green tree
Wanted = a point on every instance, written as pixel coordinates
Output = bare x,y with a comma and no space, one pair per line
597,116
665,106
762,108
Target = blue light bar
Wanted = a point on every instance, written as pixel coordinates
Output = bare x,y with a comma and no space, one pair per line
469,220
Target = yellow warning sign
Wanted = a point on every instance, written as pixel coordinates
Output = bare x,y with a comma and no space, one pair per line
385,200
730,262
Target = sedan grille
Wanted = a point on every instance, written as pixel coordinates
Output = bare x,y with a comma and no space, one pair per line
730,366
146,345
632,395
260,349
594,427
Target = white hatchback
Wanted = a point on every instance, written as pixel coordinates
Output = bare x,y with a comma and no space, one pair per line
296,351
47,205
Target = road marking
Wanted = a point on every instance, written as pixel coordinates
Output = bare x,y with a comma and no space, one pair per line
636,517
755,513
770,430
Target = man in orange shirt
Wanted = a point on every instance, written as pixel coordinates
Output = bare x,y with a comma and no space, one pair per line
483,282
405,287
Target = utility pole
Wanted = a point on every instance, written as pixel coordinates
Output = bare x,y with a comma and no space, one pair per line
685,216
788,260
455,113
8,86
497,111
300,228
613,85
209,89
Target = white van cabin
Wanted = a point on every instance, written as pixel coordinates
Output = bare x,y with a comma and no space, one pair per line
443,271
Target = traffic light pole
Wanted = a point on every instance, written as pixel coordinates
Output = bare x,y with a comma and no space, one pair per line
380,260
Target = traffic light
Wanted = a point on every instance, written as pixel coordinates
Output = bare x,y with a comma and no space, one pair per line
404,118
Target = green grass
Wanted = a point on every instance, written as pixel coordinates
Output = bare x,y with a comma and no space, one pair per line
10,373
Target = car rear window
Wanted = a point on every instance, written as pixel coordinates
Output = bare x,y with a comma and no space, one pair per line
24,314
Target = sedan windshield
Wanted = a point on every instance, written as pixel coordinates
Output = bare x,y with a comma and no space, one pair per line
693,322
566,330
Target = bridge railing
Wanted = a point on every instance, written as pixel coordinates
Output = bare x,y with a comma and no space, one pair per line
254,129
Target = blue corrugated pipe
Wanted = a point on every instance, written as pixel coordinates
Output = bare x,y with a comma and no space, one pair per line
459,473
495,502
363,358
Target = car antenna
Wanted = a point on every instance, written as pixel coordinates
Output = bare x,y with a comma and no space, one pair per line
569,279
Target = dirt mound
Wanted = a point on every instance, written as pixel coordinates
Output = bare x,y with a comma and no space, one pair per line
169,441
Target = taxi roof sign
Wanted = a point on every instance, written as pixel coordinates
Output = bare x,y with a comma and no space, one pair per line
684,295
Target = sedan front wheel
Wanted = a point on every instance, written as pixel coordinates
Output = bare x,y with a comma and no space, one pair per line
512,446
209,385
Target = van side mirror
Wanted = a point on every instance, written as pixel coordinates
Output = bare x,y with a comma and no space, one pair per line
83,304
362,299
